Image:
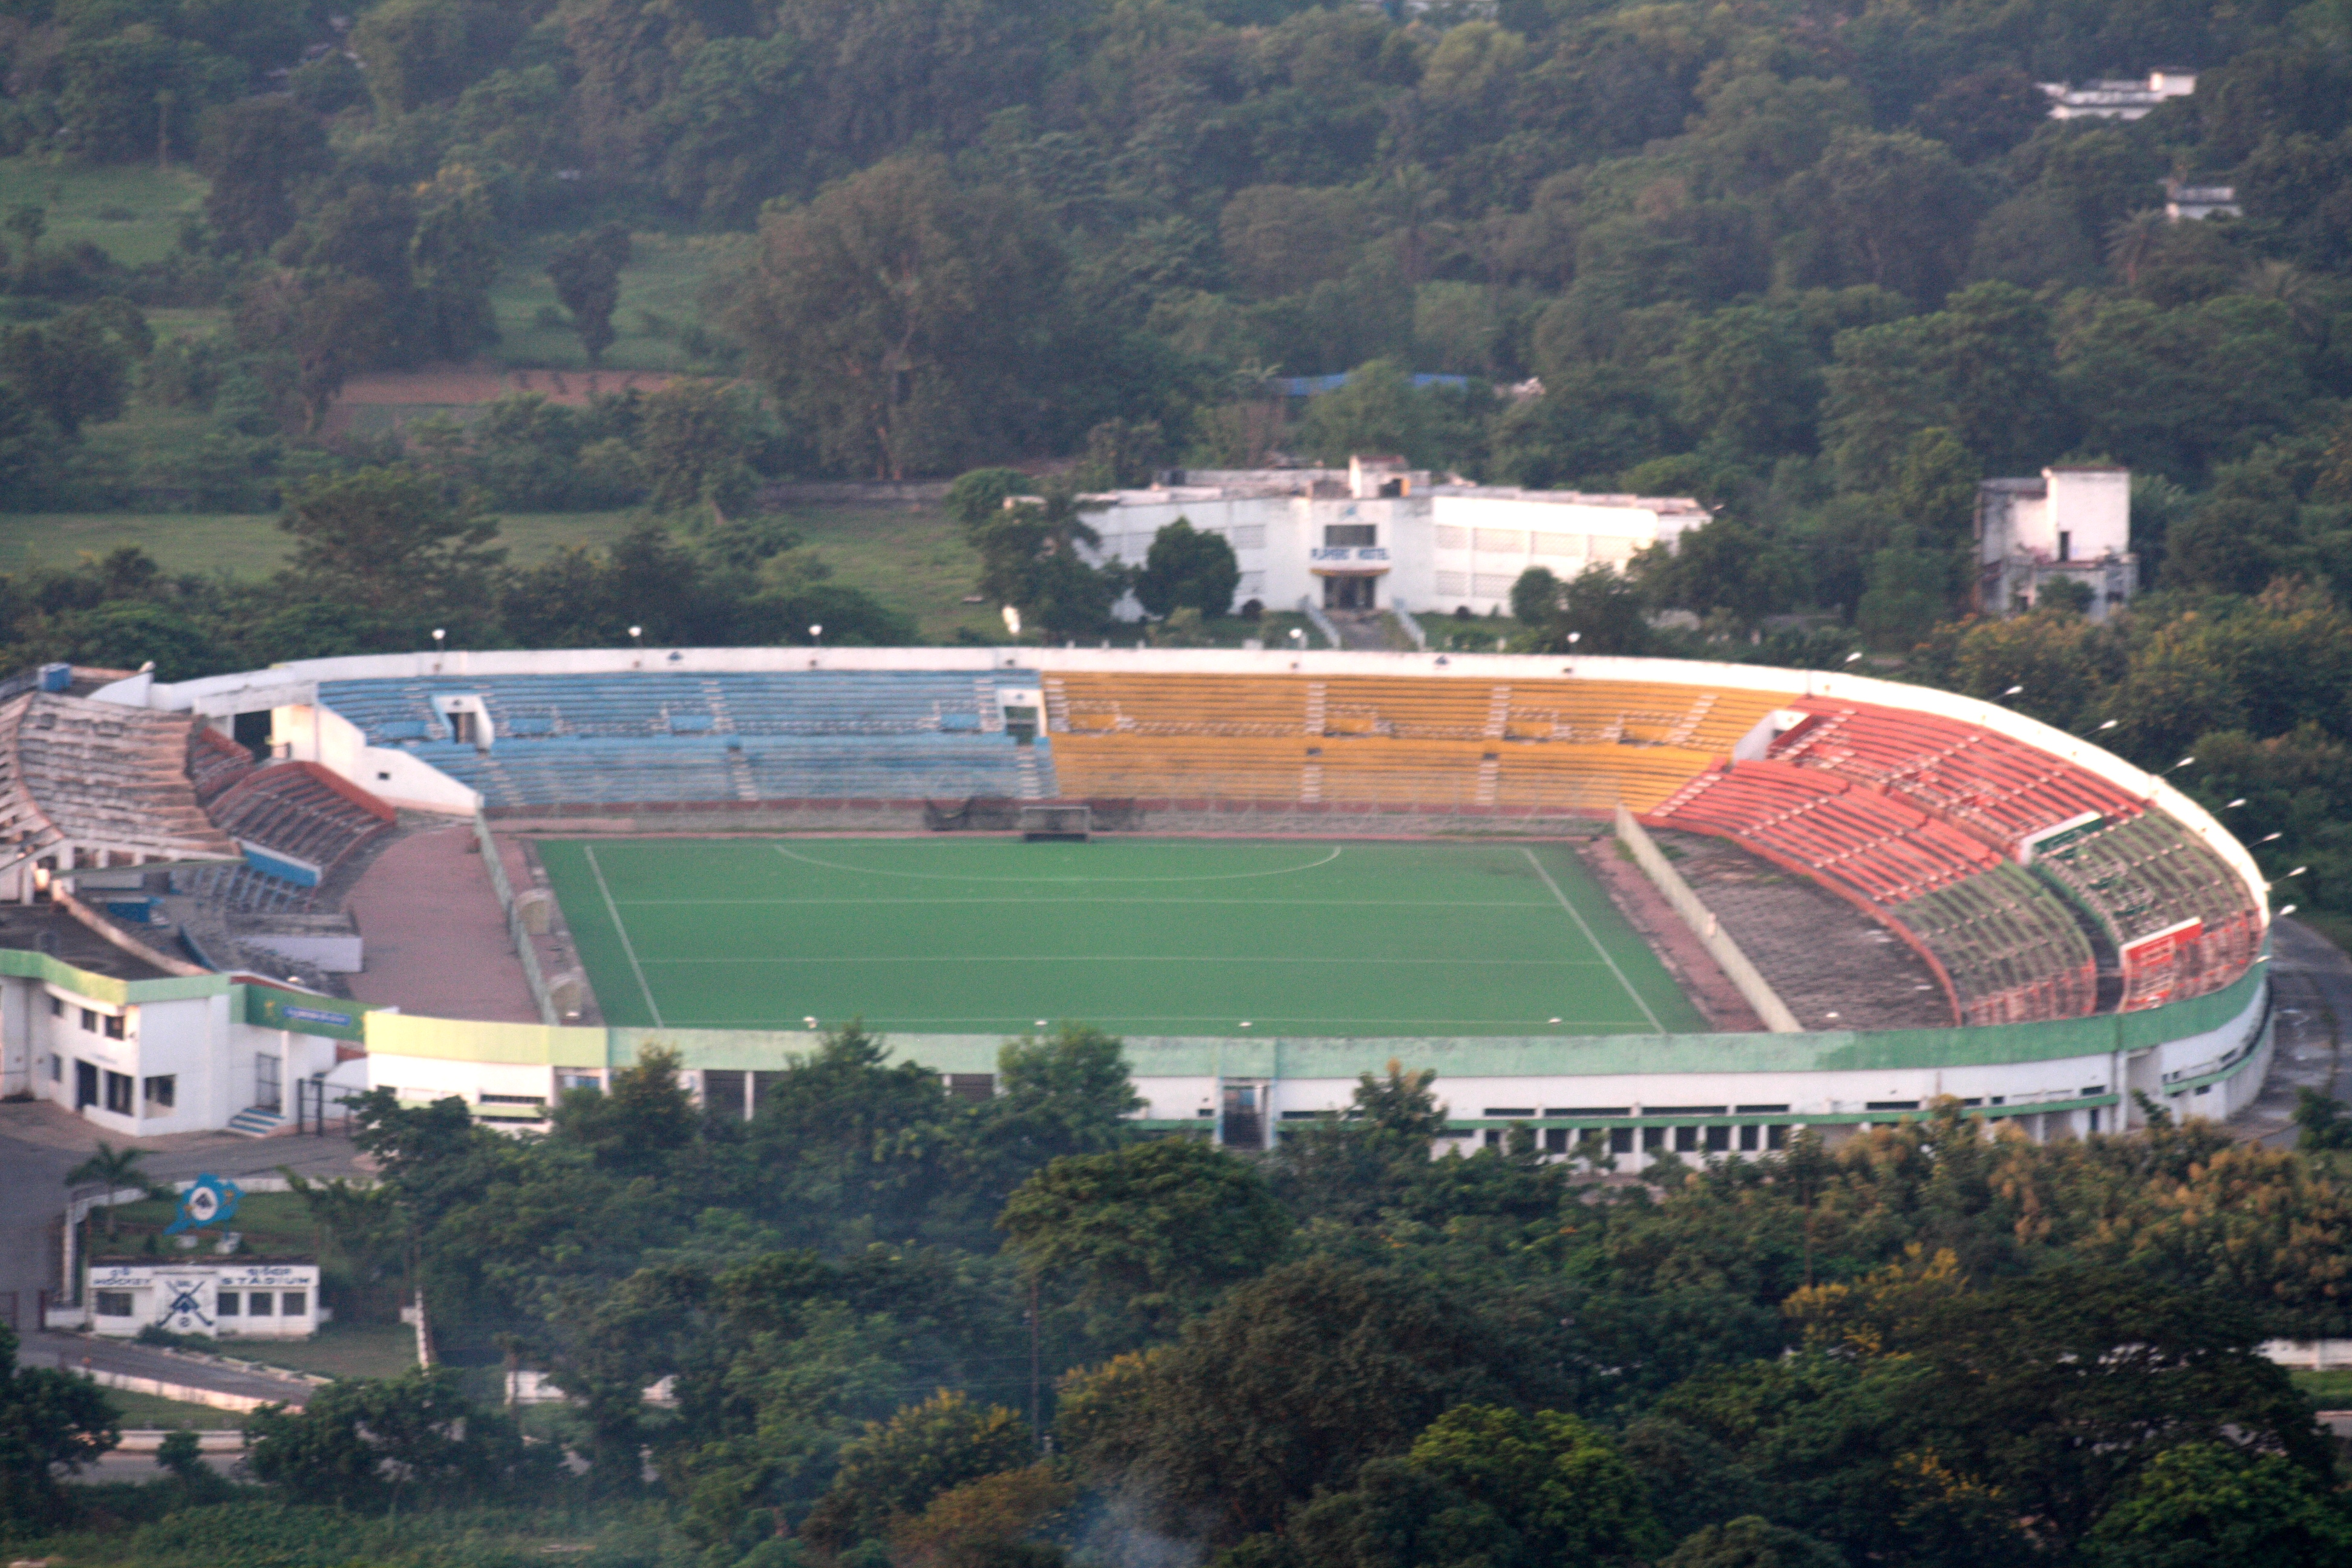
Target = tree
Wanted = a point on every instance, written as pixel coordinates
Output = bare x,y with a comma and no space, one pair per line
112,1169
362,1441
987,1524
586,272
2322,1119
1486,1483
1597,612
1750,380
637,1125
692,436
27,221
1349,1166
77,369
1288,1385
325,329
1152,1232
1185,568
2216,1503
900,1465
1535,595
386,540
50,1420
905,317
453,261
1891,209
254,153
1749,1541
1029,552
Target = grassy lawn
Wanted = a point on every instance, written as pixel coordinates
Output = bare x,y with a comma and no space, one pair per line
341,1350
145,1412
249,544
661,295
131,211
910,558
269,1222
2331,1390
1477,634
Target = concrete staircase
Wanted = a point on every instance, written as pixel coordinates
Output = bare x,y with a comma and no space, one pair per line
255,1122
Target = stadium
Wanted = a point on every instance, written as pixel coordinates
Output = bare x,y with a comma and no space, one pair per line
1655,907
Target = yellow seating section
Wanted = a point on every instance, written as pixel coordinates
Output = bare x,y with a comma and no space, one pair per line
1434,742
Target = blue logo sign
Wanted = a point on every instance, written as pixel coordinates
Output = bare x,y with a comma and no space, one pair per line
210,1202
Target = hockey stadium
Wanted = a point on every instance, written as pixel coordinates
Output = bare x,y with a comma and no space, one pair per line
1686,907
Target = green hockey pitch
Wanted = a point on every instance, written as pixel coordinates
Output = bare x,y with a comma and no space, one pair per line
1141,936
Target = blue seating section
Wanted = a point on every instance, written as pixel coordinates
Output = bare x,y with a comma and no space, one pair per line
627,738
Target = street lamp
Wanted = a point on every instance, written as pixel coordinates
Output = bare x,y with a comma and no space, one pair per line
1575,638
2183,762
2108,725
814,633
2012,691
1854,655
637,637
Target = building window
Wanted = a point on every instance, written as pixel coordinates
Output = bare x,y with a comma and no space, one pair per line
163,1093
1350,535
1621,1140
1686,1140
57,1067
57,1008
293,1303
1749,1138
89,1020
1719,1139
229,1305
1776,1137
258,1304
118,1093
113,1303
977,1086
113,1026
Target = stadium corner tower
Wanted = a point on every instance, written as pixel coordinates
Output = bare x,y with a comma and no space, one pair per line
1649,906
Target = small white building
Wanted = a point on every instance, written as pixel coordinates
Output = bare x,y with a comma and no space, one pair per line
2070,525
2192,203
2129,99
1379,536
221,1297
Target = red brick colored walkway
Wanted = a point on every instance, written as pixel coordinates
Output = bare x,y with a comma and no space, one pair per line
435,939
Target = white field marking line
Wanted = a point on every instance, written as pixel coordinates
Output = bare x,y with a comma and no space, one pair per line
1154,958
1242,903
1578,919
997,1024
623,931
936,877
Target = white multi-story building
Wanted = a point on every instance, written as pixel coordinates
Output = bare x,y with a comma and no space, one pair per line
2070,525
1379,536
2129,99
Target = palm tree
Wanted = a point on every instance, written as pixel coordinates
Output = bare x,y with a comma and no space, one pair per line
2133,242
117,1169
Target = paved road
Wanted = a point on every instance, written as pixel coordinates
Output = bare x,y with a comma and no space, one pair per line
40,1142
2312,989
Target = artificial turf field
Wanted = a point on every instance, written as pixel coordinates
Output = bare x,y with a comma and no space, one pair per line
1137,936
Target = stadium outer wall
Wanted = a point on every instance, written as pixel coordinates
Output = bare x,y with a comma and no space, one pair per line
1674,1093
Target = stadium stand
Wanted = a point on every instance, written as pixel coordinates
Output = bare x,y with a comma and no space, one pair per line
302,811
215,762
2181,924
1871,845
643,738
2009,950
1399,742
1999,789
99,783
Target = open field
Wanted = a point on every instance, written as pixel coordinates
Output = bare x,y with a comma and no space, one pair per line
1148,937
341,1350
145,1412
246,544
131,211
662,291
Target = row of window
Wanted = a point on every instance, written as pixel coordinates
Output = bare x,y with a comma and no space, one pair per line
230,1304
92,1021
161,1091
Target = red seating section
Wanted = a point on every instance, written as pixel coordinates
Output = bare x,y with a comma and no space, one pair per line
1999,789
215,762
302,810
1873,845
